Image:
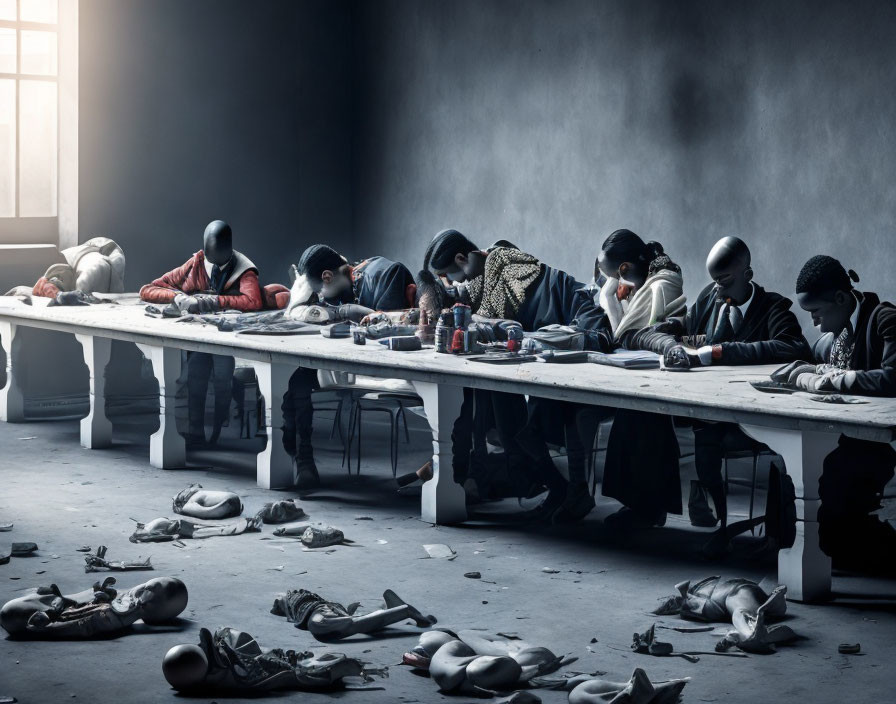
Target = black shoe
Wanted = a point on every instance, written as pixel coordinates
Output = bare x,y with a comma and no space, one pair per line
698,507
627,520
577,504
305,472
546,508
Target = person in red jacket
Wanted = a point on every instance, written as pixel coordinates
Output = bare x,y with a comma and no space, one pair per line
216,278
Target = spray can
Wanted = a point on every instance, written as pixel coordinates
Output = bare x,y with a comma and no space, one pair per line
514,339
443,334
457,341
462,315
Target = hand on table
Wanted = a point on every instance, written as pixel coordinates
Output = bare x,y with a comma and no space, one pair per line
198,303
789,372
680,357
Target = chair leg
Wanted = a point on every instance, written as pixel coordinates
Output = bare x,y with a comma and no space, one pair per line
347,445
404,418
726,476
393,442
753,490
358,465
336,418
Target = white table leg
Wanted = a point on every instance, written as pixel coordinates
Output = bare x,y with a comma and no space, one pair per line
274,468
12,401
804,568
443,500
167,449
96,429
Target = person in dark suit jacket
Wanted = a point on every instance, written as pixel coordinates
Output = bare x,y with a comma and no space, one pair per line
855,355
734,321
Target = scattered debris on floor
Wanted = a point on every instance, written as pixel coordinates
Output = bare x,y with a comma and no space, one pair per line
473,575
5,527
99,563
440,551
281,512
550,570
849,648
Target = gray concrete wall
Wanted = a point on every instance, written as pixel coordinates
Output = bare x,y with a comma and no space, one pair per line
191,111
554,123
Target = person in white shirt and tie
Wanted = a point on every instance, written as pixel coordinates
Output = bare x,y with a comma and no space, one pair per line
734,321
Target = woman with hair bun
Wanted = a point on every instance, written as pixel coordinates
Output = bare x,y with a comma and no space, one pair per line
644,287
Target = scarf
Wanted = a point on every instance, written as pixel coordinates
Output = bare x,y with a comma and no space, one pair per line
843,348
501,290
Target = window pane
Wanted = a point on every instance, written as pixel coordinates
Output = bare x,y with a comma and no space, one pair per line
7,50
7,9
7,148
39,11
39,52
37,142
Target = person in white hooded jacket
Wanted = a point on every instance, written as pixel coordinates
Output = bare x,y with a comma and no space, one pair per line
644,287
94,266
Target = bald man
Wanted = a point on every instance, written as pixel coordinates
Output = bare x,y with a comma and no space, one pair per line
734,321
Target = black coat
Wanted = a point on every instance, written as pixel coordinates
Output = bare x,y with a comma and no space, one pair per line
770,333
556,298
874,357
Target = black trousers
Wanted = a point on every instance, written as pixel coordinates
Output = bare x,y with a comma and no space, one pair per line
641,469
202,367
854,477
555,422
298,411
480,412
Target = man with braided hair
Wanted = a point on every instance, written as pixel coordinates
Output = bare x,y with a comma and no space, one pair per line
855,355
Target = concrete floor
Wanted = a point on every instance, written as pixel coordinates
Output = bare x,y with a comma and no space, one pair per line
62,497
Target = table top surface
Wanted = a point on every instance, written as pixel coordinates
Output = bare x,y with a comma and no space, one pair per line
715,393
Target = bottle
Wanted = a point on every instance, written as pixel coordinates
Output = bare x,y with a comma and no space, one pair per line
441,336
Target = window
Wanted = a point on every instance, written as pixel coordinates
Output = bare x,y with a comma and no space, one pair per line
29,130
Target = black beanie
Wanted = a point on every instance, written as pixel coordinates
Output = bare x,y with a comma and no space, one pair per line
319,258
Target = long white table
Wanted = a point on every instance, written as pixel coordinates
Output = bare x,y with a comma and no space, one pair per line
803,431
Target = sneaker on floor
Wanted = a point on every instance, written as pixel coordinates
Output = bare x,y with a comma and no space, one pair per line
577,504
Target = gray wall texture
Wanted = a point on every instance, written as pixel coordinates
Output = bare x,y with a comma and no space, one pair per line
191,111
552,123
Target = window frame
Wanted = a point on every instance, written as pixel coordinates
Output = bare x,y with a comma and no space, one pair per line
27,229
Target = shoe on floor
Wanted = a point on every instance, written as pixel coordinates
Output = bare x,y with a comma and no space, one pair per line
698,507
577,504
627,520
305,472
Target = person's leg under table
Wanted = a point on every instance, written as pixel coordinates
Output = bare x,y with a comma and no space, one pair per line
12,400
223,367
167,449
275,465
443,500
804,568
96,429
